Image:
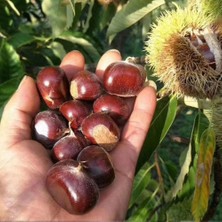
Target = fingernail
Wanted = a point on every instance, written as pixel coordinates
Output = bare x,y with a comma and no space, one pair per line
22,81
114,50
151,83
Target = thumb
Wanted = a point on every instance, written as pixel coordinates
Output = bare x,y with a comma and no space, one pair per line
18,113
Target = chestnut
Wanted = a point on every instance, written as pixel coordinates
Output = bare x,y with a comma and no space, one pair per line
48,127
96,161
85,86
124,79
100,129
71,187
75,111
53,86
113,105
67,147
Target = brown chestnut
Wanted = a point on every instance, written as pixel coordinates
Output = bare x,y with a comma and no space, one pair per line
75,111
71,187
53,86
49,126
101,129
67,147
113,105
124,79
96,161
85,86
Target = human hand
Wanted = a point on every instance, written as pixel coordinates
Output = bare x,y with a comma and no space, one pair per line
25,162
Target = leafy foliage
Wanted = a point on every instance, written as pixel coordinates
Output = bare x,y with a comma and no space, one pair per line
10,64
163,119
131,13
38,33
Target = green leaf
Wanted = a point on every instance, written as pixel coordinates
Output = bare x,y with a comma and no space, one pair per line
180,211
180,180
84,41
107,15
19,5
57,49
6,21
20,39
145,208
10,64
49,55
56,14
184,171
189,185
201,123
70,12
131,13
73,11
169,170
6,90
146,21
204,165
89,16
59,15
141,180
11,4
163,119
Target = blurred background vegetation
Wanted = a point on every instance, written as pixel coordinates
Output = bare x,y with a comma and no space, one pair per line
38,33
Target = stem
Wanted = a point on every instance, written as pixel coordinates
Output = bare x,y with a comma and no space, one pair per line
160,178
137,60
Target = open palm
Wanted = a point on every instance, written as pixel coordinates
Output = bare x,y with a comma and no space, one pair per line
24,162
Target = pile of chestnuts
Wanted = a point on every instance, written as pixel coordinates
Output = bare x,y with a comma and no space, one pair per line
81,126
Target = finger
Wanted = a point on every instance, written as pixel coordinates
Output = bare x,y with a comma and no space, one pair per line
18,113
138,124
72,63
134,132
107,58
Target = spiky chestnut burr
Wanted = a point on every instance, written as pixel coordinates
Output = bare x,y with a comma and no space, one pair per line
184,50
208,7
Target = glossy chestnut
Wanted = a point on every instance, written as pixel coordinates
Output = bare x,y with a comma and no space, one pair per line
67,147
53,86
115,106
71,187
96,162
48,127
85,86
75,111
124,79
101,129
